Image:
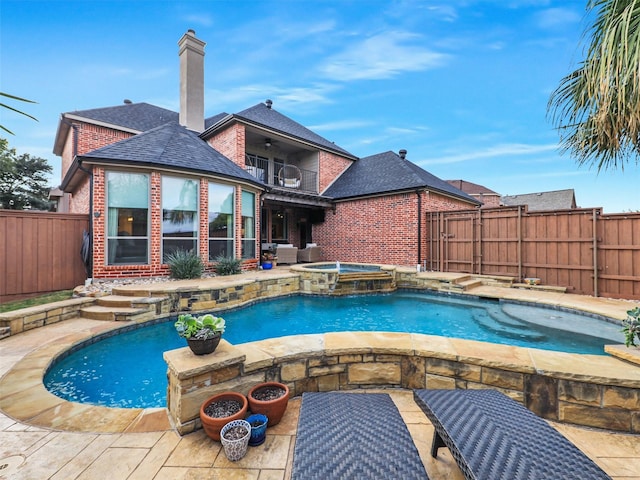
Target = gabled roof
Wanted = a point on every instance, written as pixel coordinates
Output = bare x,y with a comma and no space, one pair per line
553,200
386,173
169,146
266,117
129,117
471,188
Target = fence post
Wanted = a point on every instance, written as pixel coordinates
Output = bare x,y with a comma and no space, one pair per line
595,254
520,243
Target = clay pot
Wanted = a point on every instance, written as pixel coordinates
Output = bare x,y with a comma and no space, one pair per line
213,425
273,409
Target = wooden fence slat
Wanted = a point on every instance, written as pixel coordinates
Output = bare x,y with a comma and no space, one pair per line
588,252
40,252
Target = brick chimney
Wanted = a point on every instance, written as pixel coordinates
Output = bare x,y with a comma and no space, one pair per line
191,53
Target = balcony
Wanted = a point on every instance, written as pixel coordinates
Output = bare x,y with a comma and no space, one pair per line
282,175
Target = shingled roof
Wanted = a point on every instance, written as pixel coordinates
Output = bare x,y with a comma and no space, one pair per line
552,200
387,173
266,117
472,188
131,117
170,145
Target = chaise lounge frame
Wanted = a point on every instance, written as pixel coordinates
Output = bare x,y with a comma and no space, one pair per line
494,437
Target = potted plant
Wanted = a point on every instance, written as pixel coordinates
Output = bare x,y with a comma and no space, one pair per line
268,260
202,333
270,399
235,438
631,328
217,411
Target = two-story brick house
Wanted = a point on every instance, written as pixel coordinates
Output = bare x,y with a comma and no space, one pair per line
154,181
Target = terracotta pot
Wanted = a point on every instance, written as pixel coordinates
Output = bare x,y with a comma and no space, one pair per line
213,425
203,347
273,409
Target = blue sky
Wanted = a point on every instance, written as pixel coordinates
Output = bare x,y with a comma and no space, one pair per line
462,85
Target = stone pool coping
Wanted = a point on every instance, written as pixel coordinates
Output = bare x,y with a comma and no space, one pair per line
24,397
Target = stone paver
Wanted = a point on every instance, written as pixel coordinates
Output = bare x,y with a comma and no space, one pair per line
153,450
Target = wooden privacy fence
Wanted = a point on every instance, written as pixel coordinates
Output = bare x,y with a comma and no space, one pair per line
582,249
40,252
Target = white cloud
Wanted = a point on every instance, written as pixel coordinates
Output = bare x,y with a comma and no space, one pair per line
340,125
284,98
115,71
381,56
202,19
556,17
510,149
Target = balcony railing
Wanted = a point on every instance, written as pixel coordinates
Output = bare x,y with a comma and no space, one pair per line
283,175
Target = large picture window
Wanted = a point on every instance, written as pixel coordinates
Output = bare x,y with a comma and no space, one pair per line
179,215
221,205
248,225
127,218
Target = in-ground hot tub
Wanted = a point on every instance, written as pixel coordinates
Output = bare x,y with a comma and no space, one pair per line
335,278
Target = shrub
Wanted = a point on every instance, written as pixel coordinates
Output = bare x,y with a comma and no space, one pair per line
185,264
228,265
632,327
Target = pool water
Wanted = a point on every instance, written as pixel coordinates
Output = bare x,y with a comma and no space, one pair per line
127,370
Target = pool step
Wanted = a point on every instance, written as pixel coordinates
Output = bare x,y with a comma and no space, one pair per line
109,313
543,288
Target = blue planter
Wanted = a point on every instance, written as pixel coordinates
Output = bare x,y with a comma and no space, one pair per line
267,265
259,431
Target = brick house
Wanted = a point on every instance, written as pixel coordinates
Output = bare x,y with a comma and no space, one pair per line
153,181
488,197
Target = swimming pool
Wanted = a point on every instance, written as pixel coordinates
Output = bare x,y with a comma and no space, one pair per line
127,370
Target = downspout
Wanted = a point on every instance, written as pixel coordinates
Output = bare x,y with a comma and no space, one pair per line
419,226
90,174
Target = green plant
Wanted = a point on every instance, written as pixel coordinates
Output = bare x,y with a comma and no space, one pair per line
185,264
39,300
228,265
631,327
199,328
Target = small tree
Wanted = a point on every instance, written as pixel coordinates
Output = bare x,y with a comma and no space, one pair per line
23,180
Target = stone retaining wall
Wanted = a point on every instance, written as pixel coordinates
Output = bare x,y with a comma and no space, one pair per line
365,360
33,317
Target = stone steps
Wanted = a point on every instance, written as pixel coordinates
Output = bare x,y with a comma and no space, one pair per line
100,312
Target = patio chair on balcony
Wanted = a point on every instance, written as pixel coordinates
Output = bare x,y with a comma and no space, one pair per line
290,176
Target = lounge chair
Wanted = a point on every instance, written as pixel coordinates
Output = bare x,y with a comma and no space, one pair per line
494,437
311,253
287,254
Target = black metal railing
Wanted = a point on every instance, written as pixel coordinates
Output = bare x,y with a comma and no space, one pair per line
283,175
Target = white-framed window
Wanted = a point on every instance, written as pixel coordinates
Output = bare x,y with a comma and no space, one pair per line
248,225
180,199
221,220
127,222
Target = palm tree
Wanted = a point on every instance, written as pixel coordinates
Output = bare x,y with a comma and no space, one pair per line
596,108
2,94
